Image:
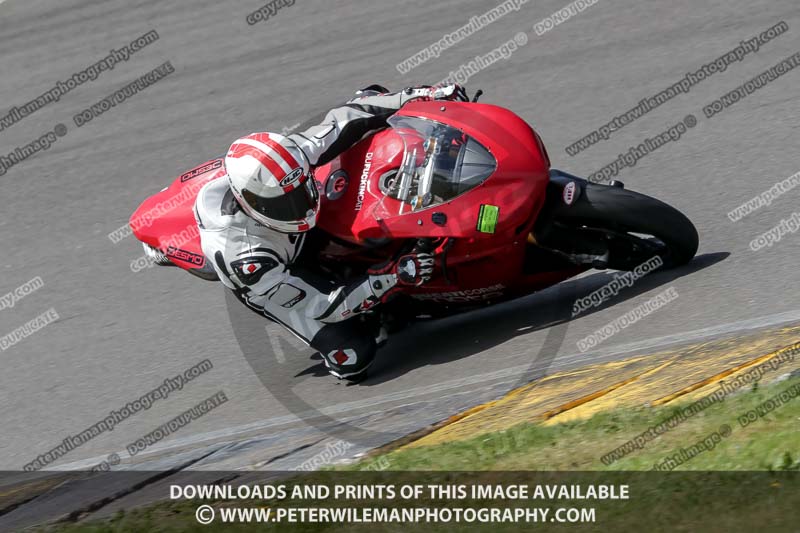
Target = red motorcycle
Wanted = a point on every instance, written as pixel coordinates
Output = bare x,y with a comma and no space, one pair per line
471,182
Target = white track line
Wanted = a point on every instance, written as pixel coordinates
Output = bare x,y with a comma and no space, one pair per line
509,374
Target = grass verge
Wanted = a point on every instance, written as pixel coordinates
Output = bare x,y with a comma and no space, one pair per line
763,427
770,442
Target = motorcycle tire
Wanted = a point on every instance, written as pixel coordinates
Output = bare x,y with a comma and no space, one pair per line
620,213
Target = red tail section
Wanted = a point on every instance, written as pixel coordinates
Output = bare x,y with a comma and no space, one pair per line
166,220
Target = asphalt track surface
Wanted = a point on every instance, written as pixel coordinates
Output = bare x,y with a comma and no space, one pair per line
120,333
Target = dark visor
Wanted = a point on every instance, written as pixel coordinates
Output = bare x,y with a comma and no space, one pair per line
291,206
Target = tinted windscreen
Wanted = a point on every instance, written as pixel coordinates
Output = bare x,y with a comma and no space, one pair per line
439,163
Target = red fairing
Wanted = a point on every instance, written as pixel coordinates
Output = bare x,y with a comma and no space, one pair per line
484,263
166,220
517,187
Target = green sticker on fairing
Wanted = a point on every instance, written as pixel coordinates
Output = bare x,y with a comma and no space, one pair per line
487,218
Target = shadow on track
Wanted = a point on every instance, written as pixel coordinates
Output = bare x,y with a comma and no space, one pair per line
450,339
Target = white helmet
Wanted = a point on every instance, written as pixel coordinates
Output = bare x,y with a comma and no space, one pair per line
269,176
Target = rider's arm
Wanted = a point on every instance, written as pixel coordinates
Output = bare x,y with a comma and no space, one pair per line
298,298
346,125
264,275
345,301
365,293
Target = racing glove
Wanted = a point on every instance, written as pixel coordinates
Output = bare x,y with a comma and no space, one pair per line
450,92
382,281
410,270
414,269
438,92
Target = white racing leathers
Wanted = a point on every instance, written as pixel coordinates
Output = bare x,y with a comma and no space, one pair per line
259,264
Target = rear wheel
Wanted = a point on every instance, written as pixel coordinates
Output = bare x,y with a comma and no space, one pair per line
615,228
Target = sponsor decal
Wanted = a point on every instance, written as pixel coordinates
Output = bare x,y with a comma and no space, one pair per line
362,186
252,269
287,295
467,295
487,218
292,177
293,301
341,357
186,256
568,194
199,171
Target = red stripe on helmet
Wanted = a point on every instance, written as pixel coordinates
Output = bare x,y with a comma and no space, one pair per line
278,147
240,150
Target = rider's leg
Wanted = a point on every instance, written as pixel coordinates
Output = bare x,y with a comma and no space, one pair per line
347,348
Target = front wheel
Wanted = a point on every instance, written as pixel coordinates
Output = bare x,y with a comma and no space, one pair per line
619,229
